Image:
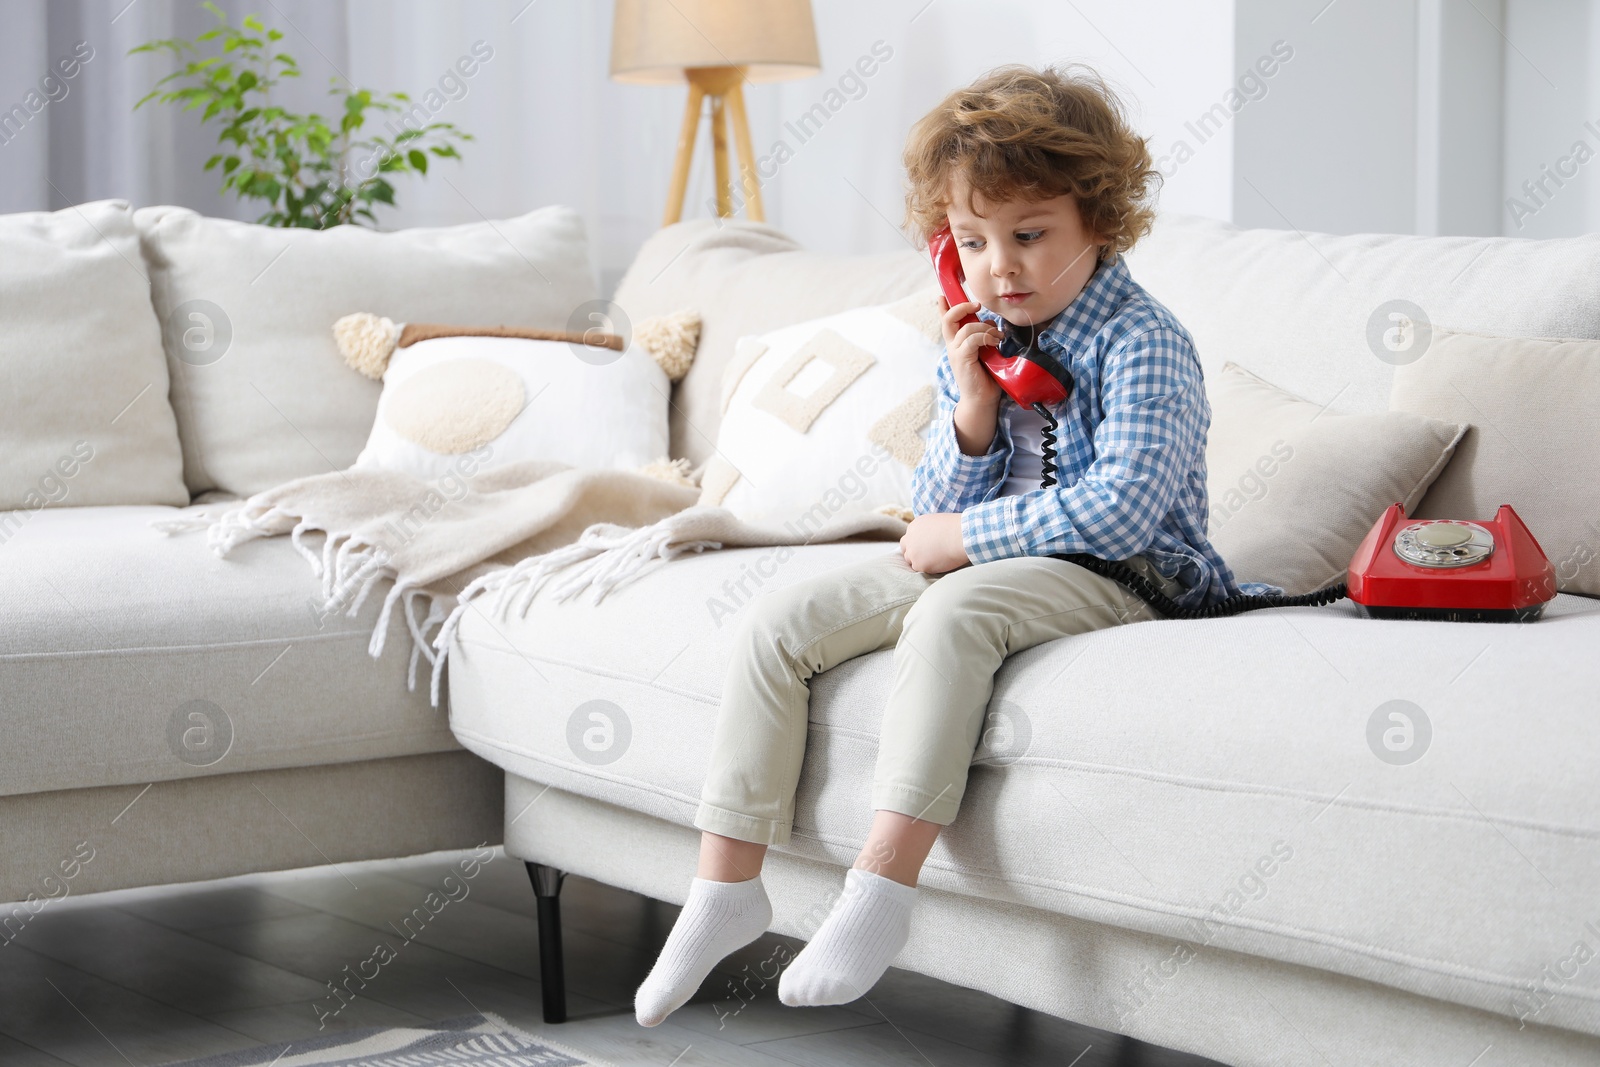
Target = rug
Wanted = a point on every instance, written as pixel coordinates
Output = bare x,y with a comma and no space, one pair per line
484,1040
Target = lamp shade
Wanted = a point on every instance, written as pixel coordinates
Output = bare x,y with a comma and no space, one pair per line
652,41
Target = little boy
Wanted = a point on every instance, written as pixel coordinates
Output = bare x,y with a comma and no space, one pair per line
1044,186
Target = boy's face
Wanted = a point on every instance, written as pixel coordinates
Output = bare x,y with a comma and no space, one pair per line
1024,260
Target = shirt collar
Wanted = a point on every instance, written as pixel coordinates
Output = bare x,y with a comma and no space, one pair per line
1089,311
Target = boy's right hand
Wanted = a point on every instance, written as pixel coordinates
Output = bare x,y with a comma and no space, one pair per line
973,380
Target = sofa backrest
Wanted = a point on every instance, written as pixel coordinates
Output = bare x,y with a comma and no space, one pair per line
1295,308
1310,312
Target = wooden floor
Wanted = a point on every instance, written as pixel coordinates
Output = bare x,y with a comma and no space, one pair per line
150,976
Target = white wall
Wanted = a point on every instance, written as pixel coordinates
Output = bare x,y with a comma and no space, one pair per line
1460,106
1423,116
1552,118
1332,145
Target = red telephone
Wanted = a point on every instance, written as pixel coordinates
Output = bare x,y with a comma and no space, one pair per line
1452,569
1024,380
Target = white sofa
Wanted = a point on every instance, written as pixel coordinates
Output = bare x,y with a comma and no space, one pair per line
1198,848
1210,772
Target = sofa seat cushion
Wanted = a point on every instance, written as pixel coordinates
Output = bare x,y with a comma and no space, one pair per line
1238,782
129,656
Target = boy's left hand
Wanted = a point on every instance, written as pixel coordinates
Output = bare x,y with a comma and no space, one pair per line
932,543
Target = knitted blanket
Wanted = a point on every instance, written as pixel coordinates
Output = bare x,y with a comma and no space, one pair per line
506,532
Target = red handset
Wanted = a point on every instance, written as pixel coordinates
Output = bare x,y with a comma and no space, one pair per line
1023,380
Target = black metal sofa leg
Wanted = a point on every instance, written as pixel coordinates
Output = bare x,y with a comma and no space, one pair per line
552,976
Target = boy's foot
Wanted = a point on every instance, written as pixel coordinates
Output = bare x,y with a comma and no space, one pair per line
861,936
718,918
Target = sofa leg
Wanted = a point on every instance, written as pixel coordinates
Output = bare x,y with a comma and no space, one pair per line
552,976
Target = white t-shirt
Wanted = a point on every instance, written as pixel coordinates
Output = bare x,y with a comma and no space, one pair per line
1027,457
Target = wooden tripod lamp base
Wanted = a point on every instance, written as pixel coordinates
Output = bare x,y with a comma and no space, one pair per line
724,86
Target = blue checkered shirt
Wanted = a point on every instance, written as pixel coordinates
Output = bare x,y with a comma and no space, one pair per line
1131,449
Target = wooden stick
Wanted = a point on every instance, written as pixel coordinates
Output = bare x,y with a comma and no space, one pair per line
680,167
719,156
427,331
747,160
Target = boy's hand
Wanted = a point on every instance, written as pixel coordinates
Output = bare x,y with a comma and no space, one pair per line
973,380
932,543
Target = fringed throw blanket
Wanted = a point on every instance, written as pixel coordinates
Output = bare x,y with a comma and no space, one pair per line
506,531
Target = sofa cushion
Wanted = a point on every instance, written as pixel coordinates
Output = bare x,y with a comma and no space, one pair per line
84,415
516,399
129,656
747,278
831,412
260,390
1252,783
1295,487
1534,409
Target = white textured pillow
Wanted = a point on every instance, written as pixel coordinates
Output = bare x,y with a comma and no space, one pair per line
519,399
1534,408
1295,487
826,417
84,415
261,393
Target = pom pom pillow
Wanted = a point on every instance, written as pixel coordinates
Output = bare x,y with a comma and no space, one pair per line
588,399
827,417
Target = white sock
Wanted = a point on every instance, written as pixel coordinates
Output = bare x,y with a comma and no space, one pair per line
718,918
863,933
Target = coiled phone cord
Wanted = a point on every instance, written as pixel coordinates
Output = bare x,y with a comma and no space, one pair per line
1047,447
1146,590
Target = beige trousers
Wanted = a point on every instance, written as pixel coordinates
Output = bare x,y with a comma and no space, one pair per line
950,632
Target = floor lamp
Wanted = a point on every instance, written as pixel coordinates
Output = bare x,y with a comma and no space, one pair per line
716,46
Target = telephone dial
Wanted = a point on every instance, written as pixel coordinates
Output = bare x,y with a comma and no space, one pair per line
1451,569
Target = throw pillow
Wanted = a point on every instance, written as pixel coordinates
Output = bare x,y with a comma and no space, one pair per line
1294,487
826,417
84,414
1534,443
260,392
748,278
506,394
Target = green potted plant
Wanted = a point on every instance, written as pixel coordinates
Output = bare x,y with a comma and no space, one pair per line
312,172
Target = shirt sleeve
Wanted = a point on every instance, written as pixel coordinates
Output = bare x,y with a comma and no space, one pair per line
1151,435
946,478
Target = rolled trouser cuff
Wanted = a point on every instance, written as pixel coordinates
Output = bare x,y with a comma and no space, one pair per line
727,823
916,802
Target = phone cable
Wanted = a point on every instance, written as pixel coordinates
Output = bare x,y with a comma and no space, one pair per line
1146,590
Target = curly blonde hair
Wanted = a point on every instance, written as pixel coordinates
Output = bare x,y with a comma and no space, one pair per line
1020,133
